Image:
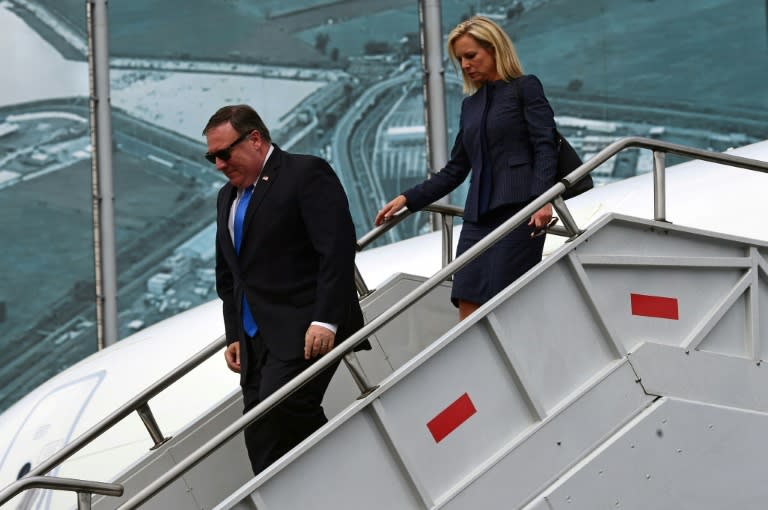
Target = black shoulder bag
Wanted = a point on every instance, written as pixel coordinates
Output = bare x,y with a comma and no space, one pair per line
568,159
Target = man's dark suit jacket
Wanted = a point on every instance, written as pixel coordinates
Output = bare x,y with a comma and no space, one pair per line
296,261
523,155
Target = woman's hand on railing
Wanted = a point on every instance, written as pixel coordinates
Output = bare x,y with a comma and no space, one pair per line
389,210
541,218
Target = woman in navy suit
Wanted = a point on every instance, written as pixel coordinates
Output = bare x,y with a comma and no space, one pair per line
510,154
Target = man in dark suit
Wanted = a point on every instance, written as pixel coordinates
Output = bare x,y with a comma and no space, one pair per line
285,248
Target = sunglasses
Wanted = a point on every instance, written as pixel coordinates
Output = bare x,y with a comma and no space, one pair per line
226,153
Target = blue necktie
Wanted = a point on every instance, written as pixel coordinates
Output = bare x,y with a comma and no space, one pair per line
249,323
485,172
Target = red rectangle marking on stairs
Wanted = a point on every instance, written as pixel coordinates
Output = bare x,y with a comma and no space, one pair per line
451,417
654,306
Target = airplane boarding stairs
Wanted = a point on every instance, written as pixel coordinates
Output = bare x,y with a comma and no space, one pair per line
228,468
624,371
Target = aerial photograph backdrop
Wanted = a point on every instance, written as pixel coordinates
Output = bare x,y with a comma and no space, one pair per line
342,79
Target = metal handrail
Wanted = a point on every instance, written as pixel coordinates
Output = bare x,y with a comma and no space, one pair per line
447,213
402,214
659,149
139,402
84,488
395,310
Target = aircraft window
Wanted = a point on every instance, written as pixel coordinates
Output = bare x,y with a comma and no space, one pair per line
26,468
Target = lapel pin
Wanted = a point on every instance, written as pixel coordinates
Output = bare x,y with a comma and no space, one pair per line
265,178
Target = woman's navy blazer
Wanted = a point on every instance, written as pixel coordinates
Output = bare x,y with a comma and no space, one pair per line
522,149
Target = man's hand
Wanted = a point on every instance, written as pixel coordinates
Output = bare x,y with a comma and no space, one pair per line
232,355
318,341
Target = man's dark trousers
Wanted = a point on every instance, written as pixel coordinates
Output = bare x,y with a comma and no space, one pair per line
286,425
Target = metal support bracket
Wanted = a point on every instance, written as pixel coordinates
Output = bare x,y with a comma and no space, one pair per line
145,413
565,216
353,365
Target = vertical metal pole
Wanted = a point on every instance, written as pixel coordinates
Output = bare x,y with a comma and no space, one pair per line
83,501
447,224
105,261
362,288
659,186
431,36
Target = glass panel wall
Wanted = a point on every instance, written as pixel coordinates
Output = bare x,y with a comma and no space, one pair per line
47,311
337,78
687,72
323,74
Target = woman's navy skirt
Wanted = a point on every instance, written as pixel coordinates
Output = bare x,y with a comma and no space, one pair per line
501,264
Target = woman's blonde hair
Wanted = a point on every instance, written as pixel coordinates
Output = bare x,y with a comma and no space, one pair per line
490,36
